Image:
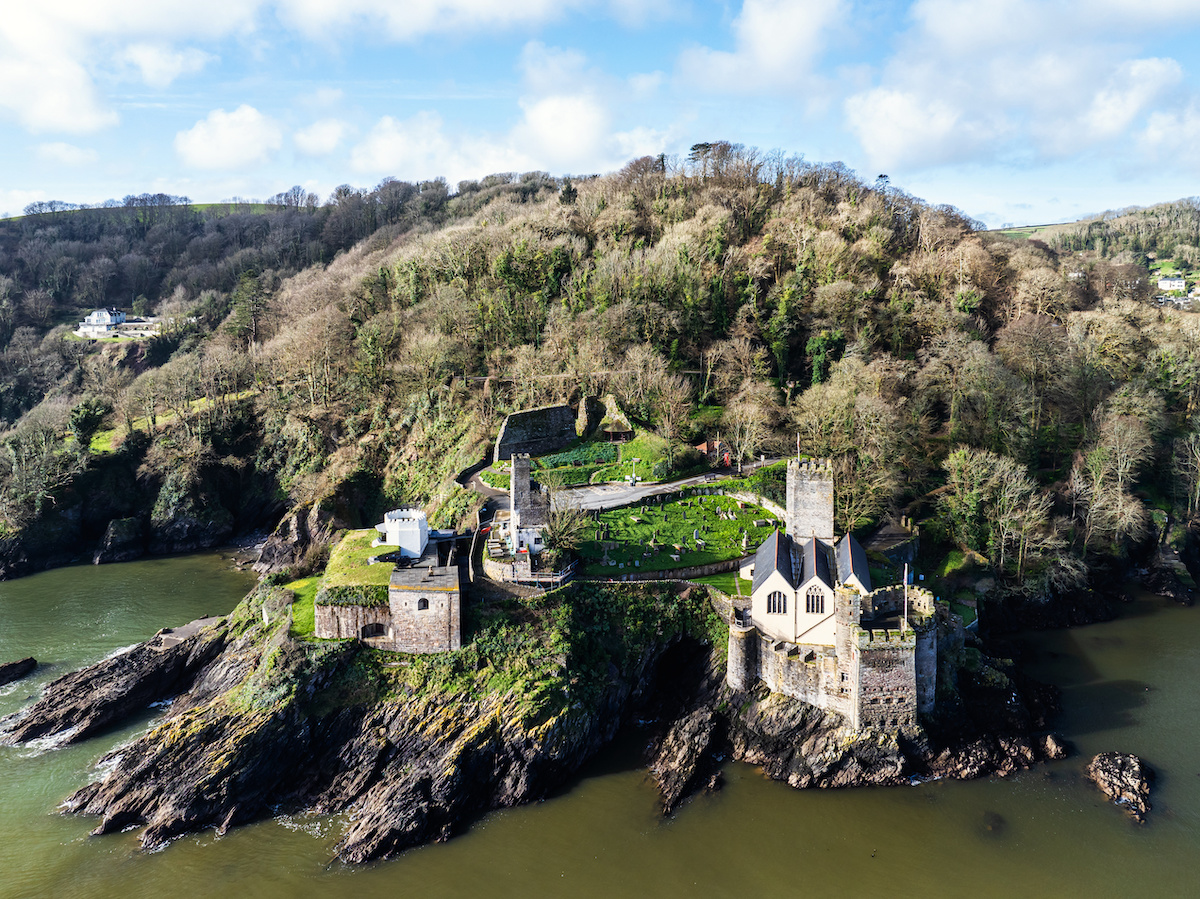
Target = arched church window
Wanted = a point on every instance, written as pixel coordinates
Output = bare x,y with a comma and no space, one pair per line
814,601
422,605
776,603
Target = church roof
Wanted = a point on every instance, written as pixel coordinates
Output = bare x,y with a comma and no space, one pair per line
815,562
852,559
775,554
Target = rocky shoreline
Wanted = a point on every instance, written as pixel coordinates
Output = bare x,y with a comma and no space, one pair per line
261,723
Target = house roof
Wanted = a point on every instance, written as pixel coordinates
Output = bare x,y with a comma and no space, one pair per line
815,562
775,554
852,560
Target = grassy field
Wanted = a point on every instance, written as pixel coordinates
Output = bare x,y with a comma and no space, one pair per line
727,582
647,540
348,561
303,607
647,447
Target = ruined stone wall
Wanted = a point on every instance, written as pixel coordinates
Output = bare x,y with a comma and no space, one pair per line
535,431
810,499
887,685
434,629
921,602
347,622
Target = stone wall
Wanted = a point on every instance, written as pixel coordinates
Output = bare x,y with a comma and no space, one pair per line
434,629
741,670
673,574
518,487
405,627
347,622
535,431
927,665
807,672
887,687
810,499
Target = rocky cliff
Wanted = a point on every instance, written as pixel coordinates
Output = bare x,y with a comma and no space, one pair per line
417,747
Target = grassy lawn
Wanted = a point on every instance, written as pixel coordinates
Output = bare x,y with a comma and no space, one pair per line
728,582
646,540
967,613
348,561
303,609
647,447
501,480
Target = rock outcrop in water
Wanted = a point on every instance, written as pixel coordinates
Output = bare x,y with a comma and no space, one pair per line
416,748
1125,779
11,671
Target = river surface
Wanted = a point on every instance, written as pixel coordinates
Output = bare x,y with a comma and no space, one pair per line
1128,685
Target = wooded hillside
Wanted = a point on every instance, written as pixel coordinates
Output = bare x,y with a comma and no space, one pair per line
1021,395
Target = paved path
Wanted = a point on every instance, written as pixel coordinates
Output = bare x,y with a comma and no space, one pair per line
614,493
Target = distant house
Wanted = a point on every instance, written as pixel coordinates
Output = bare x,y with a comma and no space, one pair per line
101,323
1172,282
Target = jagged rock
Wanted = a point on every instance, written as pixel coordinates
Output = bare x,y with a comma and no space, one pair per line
1125,779
1162,580
260,723
1055,747
677,766
79,704
301,531
123,540
11,671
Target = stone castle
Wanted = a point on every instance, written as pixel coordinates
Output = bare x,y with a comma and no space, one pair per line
818,632
423,608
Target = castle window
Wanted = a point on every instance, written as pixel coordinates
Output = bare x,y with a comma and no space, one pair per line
776,603
814,602
422,605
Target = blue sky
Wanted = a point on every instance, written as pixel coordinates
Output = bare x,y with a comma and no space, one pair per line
1013,110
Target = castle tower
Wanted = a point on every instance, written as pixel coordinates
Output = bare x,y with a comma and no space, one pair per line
519,490
810,499
847,615
741,670
926,665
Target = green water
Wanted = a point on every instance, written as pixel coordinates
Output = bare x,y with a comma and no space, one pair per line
1128,685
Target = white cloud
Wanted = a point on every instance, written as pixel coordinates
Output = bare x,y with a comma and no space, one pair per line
321,137
50,52
13,202
159,65
900,129
66,154
229,140
419,148
407,20
563,129
1172,139
1036,80
777,45
551,69
327,96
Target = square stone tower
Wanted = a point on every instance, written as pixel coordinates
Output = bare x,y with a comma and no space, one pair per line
810,499
519,491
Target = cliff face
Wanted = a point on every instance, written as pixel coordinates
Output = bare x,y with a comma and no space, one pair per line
416,747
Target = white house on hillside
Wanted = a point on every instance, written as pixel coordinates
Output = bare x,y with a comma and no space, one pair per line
101,323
